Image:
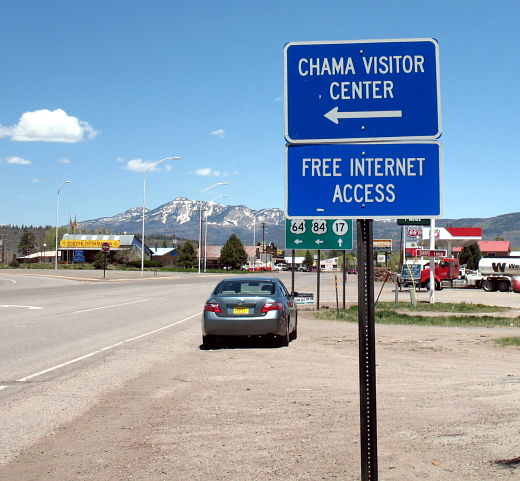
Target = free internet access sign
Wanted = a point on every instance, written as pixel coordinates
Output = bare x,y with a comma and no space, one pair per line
371,90
364,180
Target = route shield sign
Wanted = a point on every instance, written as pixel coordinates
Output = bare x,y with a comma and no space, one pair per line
323,234
372,90
364,180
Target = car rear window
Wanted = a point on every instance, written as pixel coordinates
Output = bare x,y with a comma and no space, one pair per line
245,288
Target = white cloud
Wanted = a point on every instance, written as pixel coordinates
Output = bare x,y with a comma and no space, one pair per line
219,133
17,161
167,167
208,171
64,160
278,99
48,126
139,165
35,181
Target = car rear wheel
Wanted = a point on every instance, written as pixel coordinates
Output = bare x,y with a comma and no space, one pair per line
283,340
503,286
488,286
294,334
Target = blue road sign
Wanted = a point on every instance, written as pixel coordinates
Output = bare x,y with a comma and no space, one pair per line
370,90
364,180
79,256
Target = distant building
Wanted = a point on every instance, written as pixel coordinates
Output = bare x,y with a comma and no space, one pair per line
491,248
166,255
83,248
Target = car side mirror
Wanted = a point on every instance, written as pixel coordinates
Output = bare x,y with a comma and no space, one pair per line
294,294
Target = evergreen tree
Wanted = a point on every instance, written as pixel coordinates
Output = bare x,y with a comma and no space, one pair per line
470,255
233,253
308,261
27,243
186,255
50,237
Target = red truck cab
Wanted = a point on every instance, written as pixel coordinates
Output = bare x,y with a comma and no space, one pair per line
446,269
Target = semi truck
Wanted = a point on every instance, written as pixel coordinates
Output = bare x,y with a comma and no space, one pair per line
493,274
496,273
418,273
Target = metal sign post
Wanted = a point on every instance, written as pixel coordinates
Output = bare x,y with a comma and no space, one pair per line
292,270
367,361
318,272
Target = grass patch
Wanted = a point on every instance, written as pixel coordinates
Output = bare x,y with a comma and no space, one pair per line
386,315
508,341
440,307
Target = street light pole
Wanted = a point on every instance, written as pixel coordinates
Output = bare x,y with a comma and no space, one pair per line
150,167
200,218
254,234
57,214
206,229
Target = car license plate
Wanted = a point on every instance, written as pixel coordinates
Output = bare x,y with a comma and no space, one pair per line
241,310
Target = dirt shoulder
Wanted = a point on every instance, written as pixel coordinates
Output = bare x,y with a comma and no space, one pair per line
447,405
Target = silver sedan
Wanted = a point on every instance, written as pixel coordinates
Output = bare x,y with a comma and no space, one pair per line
250,306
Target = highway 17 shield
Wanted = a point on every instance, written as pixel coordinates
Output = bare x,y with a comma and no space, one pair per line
372,90
364,180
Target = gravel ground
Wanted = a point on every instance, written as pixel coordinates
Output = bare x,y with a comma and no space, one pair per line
448,402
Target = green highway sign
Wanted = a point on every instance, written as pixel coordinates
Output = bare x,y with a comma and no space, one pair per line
413,221
318,234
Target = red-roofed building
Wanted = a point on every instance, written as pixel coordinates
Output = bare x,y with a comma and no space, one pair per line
495,248
491,248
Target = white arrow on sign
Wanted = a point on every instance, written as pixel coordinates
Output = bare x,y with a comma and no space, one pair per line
340,242
298,241
334,115
319,242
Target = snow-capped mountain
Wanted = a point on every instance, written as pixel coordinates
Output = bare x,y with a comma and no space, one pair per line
181,217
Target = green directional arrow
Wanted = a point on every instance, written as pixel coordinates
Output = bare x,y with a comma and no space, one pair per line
322,234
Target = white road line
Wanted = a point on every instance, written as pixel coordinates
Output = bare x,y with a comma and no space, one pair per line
112,305
3,387
24,307
8,280
103,349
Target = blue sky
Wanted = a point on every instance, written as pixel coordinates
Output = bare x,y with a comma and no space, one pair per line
93,91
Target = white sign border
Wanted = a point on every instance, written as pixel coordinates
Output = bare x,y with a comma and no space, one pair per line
361,139
345,215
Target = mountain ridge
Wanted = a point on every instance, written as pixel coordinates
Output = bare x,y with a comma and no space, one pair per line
181,216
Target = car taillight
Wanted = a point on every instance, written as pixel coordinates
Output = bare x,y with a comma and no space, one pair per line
212,307
271,306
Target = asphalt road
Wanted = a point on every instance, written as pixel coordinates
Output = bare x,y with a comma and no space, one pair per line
56,318
72,336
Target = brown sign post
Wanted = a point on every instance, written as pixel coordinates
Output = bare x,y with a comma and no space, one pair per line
105,247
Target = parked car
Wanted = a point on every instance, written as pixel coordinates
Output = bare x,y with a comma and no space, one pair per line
250,306
280,267
352,270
